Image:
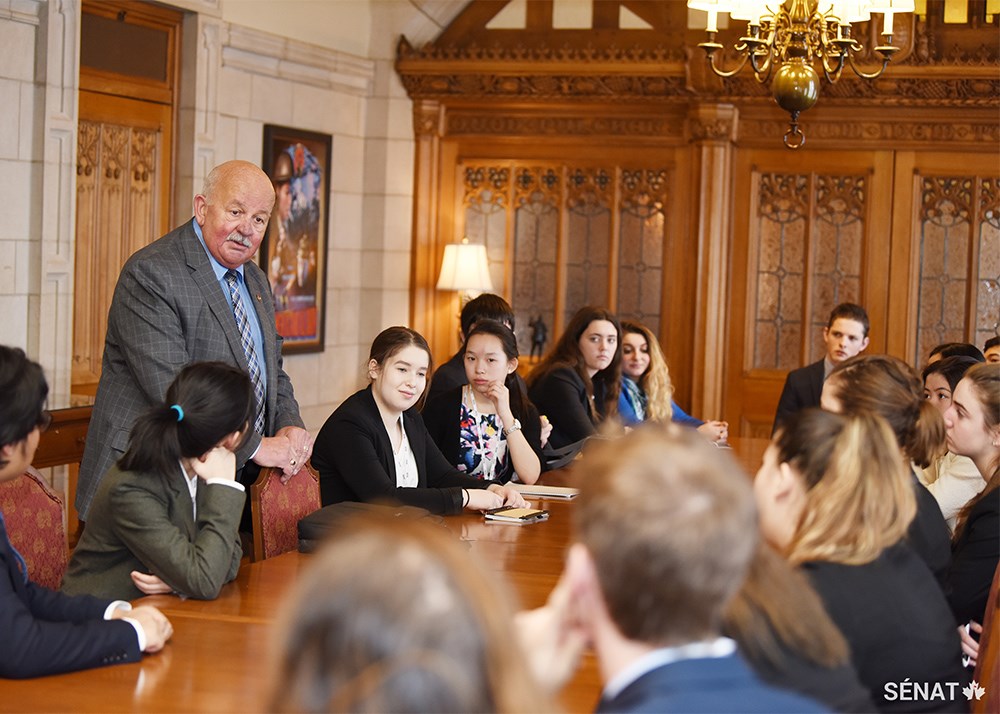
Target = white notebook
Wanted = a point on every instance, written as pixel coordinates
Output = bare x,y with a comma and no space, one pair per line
539,491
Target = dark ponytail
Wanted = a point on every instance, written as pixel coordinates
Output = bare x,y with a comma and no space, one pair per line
518,398
205,403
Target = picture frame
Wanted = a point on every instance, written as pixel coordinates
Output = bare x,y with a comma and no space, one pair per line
293,252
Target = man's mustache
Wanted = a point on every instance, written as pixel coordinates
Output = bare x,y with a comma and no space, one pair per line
241,239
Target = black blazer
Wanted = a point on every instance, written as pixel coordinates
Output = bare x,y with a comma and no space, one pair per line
354,458
441,416
974,560
803,388
928,534
562,396
45,632
897,624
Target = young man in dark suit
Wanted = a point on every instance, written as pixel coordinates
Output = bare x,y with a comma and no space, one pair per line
665,527
43,631
845,335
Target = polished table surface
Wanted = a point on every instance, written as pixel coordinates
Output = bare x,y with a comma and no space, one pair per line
219,657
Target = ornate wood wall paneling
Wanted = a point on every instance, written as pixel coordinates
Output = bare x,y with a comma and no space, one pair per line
550,94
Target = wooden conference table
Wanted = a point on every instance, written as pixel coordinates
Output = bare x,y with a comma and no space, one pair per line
220,654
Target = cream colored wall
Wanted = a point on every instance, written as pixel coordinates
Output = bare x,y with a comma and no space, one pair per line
343,25
324,66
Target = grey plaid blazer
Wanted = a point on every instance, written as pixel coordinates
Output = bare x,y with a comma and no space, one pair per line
169,310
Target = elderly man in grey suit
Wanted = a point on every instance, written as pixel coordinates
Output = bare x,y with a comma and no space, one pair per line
193,295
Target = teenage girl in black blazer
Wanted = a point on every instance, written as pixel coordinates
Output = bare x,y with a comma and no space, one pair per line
375,447
576,385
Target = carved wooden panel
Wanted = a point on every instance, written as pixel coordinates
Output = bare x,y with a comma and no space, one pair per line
536,219
487,195
959,283
117,213
589,193
807,231
642,208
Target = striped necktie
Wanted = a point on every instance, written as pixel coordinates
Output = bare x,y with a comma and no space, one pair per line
17,556
246,341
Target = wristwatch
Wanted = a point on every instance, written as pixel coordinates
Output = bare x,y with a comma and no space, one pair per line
516,426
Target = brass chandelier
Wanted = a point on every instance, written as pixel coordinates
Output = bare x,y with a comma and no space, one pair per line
785,38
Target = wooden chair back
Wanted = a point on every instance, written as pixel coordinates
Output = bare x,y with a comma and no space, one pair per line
987,672
275,509
34,517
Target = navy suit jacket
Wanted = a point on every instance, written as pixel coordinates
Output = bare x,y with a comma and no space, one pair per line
803,388
723,684
46,632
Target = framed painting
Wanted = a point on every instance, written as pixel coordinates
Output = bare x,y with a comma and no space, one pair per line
293,253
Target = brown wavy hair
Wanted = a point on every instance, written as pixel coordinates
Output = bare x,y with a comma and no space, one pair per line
566,353
655,381
985,380
891,388
859,500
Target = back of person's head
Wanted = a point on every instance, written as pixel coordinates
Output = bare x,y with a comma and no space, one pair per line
508,342
204,404
655,381
951,368
393,616
393,339
850,311
890,388
486,307
670,524
23,391
859,499
776,611
956,349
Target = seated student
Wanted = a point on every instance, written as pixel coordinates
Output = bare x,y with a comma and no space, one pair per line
375,447
952,479
665,527
166,517
845,335
991,349
954,349
487,306
890,388
973,427
576,384
45,632
488,428
647,392
834,497
784,633
394,616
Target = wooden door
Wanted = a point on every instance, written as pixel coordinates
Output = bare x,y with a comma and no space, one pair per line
128,88
811,230
946,244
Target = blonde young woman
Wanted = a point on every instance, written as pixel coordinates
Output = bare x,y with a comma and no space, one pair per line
834,497
646,392
889,387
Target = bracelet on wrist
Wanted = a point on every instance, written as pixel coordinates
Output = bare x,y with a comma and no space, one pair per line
465,498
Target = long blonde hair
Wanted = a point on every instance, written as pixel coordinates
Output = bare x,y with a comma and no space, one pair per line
859,498
393,615
655,381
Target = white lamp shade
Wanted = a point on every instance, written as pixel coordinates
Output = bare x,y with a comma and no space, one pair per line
465,268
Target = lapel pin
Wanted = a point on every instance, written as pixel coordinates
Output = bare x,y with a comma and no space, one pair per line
258,297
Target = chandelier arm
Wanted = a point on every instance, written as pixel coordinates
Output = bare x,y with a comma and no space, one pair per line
868,75
832,74
726,73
